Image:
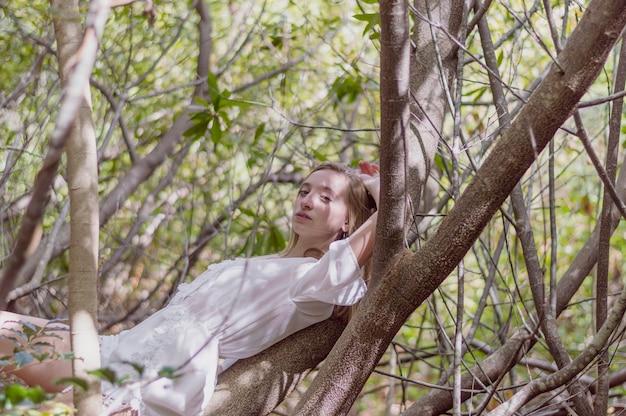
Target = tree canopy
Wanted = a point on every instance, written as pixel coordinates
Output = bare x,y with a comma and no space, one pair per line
498,265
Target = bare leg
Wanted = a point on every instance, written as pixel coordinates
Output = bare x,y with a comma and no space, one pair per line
37,373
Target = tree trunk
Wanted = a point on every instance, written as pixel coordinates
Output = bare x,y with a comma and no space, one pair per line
255,386
75,64
415,276
394,125
433,67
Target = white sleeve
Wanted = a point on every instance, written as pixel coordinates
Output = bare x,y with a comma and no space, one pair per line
334,279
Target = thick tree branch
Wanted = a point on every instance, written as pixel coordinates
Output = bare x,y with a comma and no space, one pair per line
273,373
415,276
394,131
580,268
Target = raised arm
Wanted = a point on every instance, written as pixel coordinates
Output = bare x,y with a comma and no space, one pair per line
362,240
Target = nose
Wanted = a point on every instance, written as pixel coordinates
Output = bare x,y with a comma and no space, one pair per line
307,202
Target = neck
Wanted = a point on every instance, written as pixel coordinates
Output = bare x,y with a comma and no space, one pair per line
304,248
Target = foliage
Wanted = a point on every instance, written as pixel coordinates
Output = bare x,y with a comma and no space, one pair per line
32,344
289,84
30,401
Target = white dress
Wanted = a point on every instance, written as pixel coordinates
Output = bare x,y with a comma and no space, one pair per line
235,309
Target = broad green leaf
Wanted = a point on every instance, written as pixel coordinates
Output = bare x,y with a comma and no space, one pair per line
105,374
77,382
22,358
201,101
216,132
319,156
41,356
213,89
37,395
197,130
258,132
15,393
169,372
347,87
372,20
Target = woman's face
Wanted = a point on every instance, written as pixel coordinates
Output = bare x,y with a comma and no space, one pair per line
320,213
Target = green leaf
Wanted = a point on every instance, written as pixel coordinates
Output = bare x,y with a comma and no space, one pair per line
227,103
201,101
276,240
105,374
277,41
137,367
214,91
319,156
29,329
169,372
247,211
22,358
440,162
37,395
258,132
225,119
372,20
216,131
41,356
198,130
15,393
73,381
347,87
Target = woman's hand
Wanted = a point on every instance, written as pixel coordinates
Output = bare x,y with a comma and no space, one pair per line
370,175
362,240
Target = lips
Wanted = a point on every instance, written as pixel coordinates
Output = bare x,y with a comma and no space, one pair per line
302,216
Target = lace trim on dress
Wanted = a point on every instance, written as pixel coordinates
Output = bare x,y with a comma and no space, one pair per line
175,326
185,289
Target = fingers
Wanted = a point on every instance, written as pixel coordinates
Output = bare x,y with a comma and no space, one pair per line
369,168
370,175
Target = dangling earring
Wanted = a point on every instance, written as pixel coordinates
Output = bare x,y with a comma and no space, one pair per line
344,235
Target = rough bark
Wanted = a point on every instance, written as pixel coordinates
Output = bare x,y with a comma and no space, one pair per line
394,126
431,403
432,70
432,66
416,275
273,373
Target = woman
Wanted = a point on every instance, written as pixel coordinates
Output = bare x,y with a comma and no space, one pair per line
238,308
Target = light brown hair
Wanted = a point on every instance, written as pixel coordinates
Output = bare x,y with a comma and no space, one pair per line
361,206
360,203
